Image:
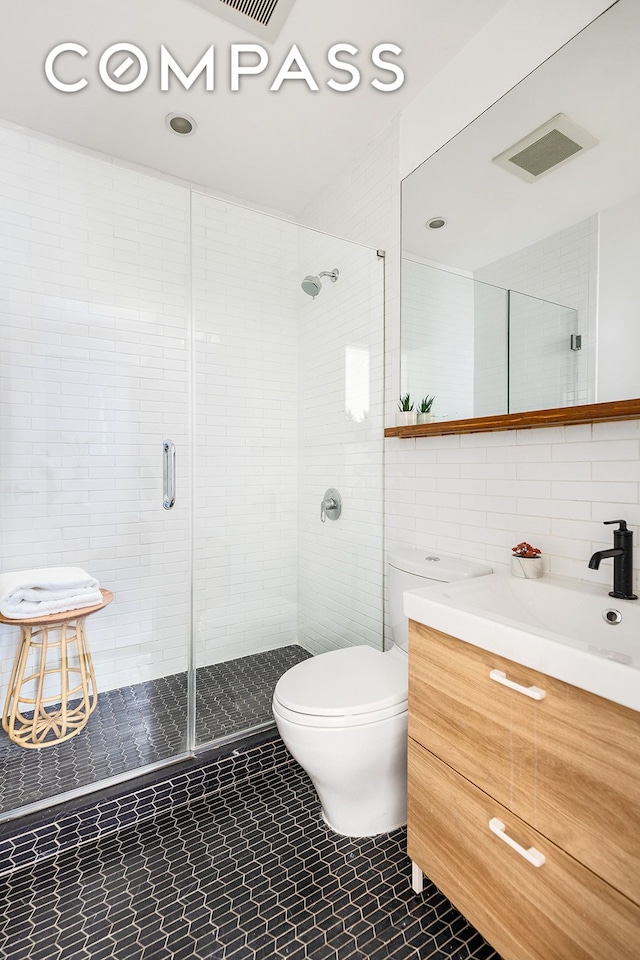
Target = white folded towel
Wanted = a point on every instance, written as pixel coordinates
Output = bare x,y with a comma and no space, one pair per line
35,593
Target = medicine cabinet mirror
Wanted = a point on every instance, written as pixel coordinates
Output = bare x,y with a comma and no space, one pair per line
520,296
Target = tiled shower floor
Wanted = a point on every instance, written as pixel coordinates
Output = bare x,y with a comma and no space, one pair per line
248,873
145,723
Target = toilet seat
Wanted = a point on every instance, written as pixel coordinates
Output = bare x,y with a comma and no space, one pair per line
349,687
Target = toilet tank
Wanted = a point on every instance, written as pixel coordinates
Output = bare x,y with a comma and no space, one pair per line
412,569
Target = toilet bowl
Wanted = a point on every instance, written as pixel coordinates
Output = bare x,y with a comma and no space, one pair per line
343,715
344,719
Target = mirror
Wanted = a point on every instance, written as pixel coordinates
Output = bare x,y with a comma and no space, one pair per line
526,296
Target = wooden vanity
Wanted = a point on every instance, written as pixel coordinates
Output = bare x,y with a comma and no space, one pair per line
524,802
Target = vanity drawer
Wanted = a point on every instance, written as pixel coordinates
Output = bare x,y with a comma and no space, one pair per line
558,910
568,764
480,728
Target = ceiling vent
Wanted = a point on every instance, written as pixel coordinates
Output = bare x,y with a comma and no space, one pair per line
547,148
263,18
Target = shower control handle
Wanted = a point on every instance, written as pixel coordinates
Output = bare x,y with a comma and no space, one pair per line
169,474
331,505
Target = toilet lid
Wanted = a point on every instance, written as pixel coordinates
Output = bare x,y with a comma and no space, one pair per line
356,680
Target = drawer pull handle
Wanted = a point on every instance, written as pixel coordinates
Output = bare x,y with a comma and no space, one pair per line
536,693
532,855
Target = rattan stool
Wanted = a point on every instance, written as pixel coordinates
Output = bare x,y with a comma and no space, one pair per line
51,724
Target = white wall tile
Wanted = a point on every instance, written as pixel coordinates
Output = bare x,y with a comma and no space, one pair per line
340,563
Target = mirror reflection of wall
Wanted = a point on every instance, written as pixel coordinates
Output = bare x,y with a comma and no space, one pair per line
438,338
482,350
564,239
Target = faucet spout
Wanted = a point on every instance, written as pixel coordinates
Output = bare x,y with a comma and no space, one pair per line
599,555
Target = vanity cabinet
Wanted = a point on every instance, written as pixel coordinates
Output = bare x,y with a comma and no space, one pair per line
524,802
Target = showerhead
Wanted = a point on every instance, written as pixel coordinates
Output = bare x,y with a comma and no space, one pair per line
313,285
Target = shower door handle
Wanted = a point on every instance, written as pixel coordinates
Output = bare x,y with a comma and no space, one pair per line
169,474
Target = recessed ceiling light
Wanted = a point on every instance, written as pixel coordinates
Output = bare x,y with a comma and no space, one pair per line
435,223
181,123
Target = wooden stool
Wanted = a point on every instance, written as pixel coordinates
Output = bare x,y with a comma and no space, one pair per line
65,721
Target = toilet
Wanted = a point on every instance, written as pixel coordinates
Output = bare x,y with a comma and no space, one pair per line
343,714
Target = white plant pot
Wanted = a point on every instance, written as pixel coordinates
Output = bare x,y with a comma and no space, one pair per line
426,418
405,418
530,568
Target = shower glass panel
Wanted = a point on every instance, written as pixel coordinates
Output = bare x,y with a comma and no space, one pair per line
543,361
272,585
94,376
341,428
244,307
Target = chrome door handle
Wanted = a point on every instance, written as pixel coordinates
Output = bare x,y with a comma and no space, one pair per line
169,474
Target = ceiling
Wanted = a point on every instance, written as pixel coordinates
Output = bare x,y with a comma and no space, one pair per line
275,150
490,213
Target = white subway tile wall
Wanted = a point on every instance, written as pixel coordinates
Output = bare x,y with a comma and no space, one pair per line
94,306
341,364
477,495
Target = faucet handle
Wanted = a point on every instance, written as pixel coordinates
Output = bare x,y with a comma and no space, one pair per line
331,505
623,524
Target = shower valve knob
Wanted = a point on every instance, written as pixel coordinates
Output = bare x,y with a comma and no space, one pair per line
331,505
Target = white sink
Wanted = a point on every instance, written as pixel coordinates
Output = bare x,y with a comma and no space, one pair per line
554,625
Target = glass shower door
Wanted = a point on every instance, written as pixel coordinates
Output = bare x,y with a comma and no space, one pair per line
94,377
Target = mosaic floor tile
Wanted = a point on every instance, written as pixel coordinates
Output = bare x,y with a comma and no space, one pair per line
146,723
251,873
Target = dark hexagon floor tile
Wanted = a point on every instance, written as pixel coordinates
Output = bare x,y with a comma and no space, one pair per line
146,723
249,873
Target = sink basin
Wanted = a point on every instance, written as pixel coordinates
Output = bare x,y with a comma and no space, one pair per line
568,629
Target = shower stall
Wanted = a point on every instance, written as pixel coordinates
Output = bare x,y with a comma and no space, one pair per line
172,410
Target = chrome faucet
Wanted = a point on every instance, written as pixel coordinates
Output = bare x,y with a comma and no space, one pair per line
622,554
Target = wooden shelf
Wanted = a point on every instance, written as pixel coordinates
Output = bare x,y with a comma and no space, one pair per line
556,417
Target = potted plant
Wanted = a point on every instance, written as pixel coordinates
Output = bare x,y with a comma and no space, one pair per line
526,561
424,410
406,417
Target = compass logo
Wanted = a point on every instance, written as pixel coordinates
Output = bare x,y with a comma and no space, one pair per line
124,67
